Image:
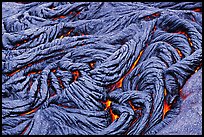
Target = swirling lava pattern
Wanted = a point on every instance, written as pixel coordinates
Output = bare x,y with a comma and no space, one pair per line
98,67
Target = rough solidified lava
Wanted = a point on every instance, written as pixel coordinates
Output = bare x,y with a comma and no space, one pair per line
97,68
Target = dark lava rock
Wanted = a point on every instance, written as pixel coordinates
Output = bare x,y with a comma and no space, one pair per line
189,121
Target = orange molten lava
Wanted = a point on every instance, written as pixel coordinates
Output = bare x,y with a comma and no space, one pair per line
61,17
190,42
31,73
32,111
165,92
61,37
68,33
184,33
18,44
78,13
166,108
154,29
113,116
54,70
75,74
197,10
133,107
13,73
119,83
92,64
107,103
196,70
156,14
39,71
179,52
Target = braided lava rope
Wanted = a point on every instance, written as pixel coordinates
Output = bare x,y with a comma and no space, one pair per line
97,68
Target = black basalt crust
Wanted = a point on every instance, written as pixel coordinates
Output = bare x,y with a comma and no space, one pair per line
101,68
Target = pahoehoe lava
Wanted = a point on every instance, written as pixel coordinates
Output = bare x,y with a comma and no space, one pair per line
97,68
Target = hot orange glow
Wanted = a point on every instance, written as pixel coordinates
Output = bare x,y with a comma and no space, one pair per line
147,18
68,33
18,44
156,14
107,103
54,70
31,73
154,29
39,71
70,13
75,74
24,67
196,70
184,33
135,63
165,92
30,112
113,116
133,107
190,42
179,52
62,17
152,16
61,37
55,18
78,13
166,108
197,10
119,83
30,65
91,64
13,73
